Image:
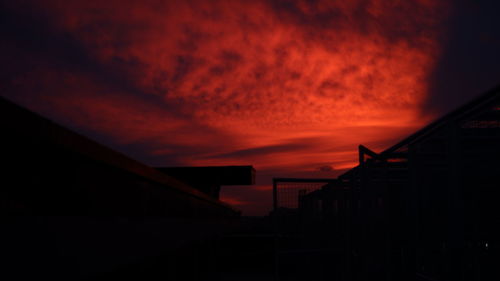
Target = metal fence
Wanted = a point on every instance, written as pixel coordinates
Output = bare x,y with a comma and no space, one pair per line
287,191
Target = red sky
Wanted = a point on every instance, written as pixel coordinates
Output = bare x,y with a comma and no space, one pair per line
291,87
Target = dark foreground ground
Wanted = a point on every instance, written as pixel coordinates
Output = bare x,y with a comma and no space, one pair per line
91,248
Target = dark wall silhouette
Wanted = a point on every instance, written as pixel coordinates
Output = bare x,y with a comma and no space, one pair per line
49,170
72,209
424,209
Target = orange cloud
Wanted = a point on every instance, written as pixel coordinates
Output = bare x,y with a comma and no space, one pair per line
288,86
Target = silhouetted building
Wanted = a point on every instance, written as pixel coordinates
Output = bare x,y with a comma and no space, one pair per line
73,209
427,204
210,179
424,209
51,170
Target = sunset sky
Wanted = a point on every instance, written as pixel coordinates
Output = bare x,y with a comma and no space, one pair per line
290,87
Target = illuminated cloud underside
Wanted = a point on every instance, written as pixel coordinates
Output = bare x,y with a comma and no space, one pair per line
288,86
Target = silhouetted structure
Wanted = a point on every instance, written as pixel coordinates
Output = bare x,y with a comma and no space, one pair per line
73,209
300,251
210,179
424,209
53,171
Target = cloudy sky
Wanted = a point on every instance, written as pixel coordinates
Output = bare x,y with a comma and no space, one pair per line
290,87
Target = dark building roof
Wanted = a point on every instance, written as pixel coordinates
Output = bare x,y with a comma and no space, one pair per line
209,179
218,175
28,133
471,109
485,101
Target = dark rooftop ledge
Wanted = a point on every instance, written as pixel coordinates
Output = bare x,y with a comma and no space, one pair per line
210,179
32,125
220,175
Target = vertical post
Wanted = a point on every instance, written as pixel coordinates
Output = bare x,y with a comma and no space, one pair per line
361,155
275,195
275,229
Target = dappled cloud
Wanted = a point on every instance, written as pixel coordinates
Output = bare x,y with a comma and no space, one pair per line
282,85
